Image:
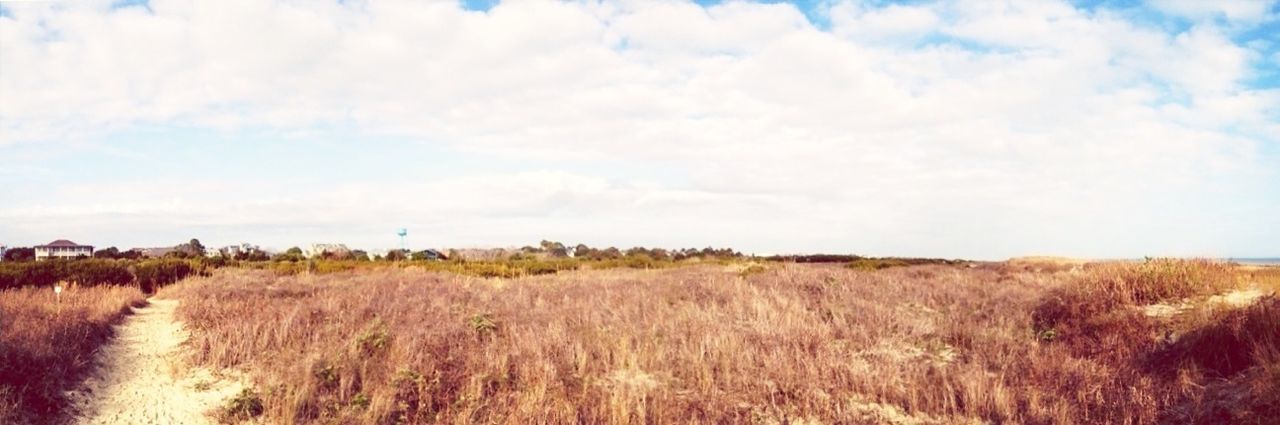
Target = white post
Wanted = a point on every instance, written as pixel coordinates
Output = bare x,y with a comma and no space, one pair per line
57,294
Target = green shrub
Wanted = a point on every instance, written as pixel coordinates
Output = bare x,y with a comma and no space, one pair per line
483,324
374,340
360,401
147,274
877,263
244,406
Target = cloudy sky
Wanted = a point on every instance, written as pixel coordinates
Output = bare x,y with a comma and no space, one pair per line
974,129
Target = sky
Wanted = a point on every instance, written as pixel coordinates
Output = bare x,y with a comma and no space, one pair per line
958,129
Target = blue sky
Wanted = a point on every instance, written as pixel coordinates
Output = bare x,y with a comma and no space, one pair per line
956,129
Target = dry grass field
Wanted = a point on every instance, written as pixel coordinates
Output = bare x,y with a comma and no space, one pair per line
47,347
1157,342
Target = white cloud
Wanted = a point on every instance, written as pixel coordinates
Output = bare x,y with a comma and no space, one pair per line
1062,128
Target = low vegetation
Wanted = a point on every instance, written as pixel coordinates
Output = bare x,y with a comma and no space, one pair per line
633,339
47,346
146,275
505,268
782,343
110,266
860,262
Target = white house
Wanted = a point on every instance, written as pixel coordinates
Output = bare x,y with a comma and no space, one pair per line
63,249
318,249
243,248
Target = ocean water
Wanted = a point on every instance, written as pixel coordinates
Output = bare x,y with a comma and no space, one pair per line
1258,261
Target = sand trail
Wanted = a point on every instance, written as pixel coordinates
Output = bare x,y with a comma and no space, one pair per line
1238,298
141,379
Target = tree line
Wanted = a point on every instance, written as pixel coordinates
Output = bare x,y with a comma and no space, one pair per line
559,250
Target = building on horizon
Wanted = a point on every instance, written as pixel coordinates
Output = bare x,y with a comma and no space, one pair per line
431,254
376,254
484,254
63,249
2,250
231,251
155,252
319,249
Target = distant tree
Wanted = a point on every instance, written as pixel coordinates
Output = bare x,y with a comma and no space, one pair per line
555,249
292,255
20,254
109,253
685,254
251,254
582,251
396,255
359,255
335,255
190,249
660,254
611,253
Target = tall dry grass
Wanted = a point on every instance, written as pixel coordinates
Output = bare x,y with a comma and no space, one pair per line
47,347
789,344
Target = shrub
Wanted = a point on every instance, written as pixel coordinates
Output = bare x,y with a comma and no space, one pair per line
146,274
876,263
374,340
245,405
483,324
154,274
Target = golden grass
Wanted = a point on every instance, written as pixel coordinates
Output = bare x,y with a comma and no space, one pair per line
46,347
710,344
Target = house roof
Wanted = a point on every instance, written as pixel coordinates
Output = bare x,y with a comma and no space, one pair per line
62,243
157,252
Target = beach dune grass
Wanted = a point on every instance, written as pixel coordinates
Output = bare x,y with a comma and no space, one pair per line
709,344
47,345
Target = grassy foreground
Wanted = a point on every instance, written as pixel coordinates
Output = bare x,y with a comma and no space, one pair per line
47,346
716,344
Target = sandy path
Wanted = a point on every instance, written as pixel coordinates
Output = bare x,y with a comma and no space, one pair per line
141,380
